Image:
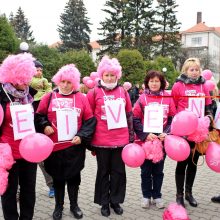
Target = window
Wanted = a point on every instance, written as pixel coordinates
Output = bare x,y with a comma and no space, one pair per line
196,41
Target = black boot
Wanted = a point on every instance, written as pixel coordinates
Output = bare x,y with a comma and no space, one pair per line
180,200
179,188
59,200
58,212
188,189
73,197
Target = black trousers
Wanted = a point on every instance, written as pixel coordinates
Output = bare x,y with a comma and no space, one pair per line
24,174
110,183
186,173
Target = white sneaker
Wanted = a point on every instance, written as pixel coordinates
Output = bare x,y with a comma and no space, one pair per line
145,203
159,203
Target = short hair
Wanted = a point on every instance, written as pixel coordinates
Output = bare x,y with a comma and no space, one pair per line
190,62
154,73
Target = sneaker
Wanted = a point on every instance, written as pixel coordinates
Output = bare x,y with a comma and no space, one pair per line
159,203
51,193
145,203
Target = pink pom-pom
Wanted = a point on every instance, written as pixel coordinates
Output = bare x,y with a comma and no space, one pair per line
153,150
6,158
127,85
175,212
3,181
202,130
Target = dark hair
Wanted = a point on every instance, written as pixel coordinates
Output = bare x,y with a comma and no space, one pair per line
154,73
38,64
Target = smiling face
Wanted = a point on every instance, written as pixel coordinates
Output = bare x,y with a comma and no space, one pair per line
154,84
109,77
65,87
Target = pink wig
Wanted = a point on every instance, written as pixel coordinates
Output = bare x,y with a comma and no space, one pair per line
17,69
70,73
110,66
127,85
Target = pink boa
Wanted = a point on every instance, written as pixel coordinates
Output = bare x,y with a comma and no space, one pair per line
202,130
153,150
3,181
6,158
175,212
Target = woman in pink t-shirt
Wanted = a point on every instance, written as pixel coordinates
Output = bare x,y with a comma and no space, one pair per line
152,170
68,156
108,142
189,83
16,73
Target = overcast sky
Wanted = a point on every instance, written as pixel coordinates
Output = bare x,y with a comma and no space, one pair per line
44,15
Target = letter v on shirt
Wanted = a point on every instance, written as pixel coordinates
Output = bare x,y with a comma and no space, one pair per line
115,113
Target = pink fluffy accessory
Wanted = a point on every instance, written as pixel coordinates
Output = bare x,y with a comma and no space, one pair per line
110,66
153,150
175,212
202,130
3,181
70,73
17,69
6,158
127,85
6,162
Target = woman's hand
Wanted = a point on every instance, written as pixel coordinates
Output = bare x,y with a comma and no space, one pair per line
76,140
162,136
48,130
151,137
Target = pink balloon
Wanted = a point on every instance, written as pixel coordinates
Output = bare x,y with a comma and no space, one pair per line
90,84
1,115
176,147
93,75
86,78
212,156
184,123
36,147
207,74
133,155
210,85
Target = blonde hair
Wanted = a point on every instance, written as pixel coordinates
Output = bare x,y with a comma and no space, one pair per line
83,88
190,62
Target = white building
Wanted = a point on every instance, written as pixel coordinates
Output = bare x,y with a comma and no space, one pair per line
203,42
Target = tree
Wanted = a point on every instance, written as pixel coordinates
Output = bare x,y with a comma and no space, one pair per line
114,27
81,59
74,29
8,40
133,67
141,25
21,26
168,42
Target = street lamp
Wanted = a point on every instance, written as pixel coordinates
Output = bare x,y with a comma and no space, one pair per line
164,70
24,47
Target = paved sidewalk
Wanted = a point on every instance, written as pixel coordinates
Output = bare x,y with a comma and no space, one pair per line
206,185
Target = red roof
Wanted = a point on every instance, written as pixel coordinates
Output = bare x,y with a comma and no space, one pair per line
201,27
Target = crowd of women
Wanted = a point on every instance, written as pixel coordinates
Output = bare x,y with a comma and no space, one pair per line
103,121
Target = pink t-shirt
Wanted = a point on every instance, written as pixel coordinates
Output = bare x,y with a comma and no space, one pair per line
104,137
180,90
7,135
77,101
167,102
